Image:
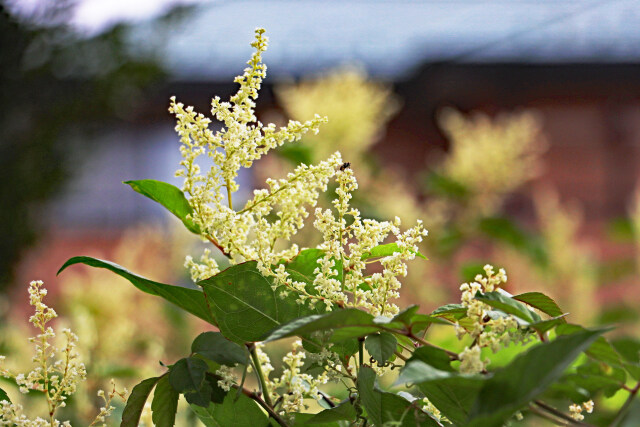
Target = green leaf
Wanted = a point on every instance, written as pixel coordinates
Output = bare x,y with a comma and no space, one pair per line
508,305
543,326
169,196
455,313
135,402
541,302
164,404
235,410
302,420
385,250
4,396
190,300
381,346
214,346
453,396
344,411
246,304
383,407
451,392
600,350
436,357
527,376
347,323
305,263
187,374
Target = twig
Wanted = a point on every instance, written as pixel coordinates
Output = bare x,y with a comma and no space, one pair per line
625,407
549,417
452,354
266,407
560,414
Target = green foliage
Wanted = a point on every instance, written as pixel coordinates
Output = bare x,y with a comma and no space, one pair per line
385,250
135,402
235,410
247,305
384,407
527,377
381,346
214,346
169,196
190,300
188,374
164,404
343,412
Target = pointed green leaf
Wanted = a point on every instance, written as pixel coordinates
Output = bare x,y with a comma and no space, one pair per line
434,356
214,346
527,376
246,304
381,346
344,411
385,250
135,402
164,404
187,374
169,196
508,305
190,300
4,396
347,323
305,262
384,407
543,326
451,392
541,302
237,411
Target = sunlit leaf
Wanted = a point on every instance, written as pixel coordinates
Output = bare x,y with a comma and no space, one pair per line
191,300
169,196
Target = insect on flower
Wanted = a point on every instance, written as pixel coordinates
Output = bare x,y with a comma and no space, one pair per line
345,165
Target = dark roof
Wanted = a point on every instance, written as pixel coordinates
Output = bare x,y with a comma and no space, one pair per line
392,37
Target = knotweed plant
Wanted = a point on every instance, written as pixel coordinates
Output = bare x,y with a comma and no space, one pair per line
56,373
339,300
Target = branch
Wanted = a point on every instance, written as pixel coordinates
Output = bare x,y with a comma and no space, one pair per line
560,414
625,407
266,407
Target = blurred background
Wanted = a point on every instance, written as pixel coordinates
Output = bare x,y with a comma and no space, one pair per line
512,129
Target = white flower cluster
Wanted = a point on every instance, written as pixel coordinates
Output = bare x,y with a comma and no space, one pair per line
296,385
246,234
108,408
357,288
277,212
227,378
488,331
435,412
58,380
576,410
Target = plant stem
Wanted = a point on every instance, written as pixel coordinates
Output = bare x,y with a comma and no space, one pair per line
260,375
452,354
625,407
400,356
560,414
360,351
266,406
546,416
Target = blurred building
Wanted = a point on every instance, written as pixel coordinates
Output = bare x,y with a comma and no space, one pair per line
576,62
